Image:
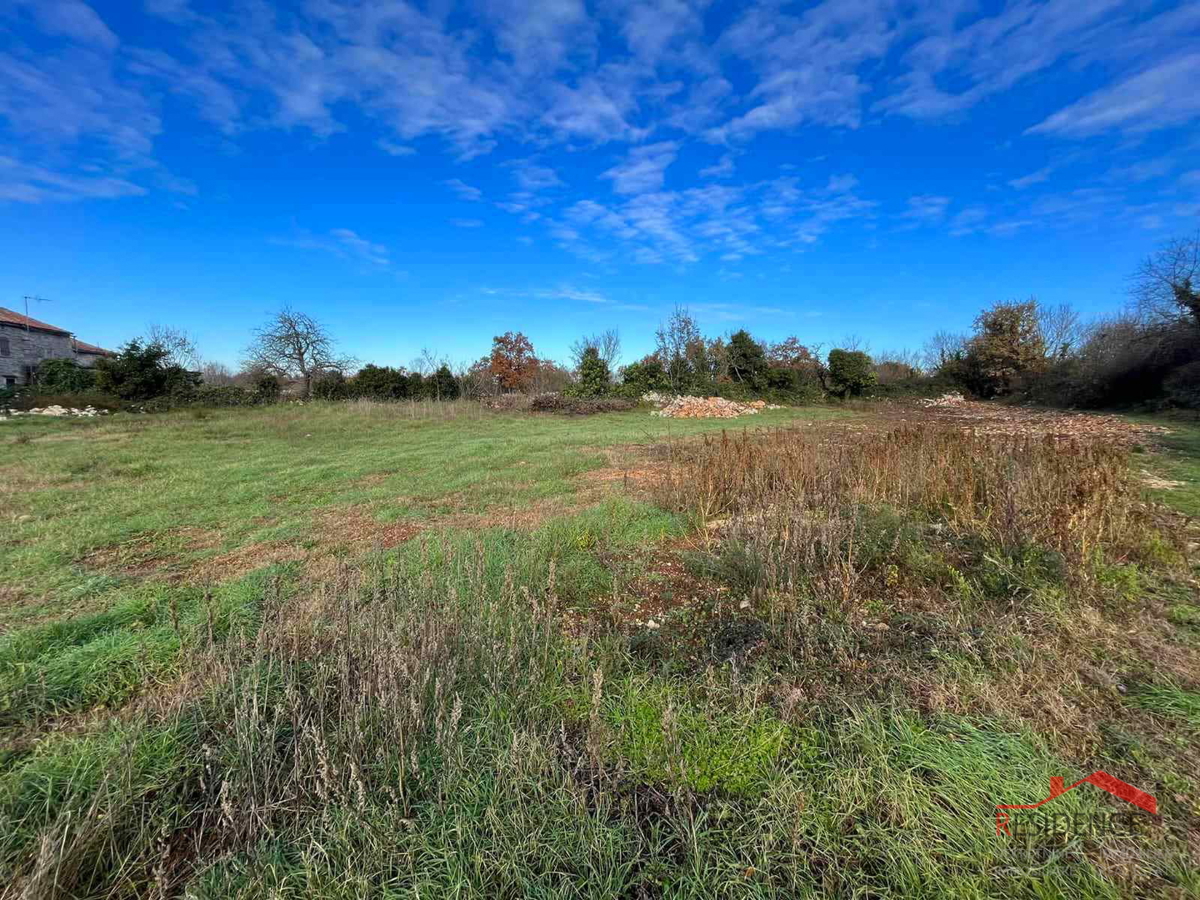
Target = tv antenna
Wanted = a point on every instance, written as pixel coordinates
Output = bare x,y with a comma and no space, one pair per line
29,297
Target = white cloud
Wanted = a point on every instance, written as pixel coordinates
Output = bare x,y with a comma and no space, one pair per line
391,148
1146,170
968,221
808,63
574,294
1008,228
840,184
991,54
533,177
566,292
464,190
643,169
1160,97
71,19
731,222
340,242
24,183
926,209
539,34
1041,175
722,168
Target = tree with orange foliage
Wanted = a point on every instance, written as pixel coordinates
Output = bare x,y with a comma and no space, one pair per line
513,361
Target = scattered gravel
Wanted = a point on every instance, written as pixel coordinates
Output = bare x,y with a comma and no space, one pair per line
58,411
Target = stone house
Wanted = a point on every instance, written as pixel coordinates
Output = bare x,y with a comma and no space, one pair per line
25,342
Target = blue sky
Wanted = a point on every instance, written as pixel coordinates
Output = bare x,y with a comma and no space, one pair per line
429,174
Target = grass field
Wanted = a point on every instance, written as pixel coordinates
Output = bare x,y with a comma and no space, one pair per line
401,651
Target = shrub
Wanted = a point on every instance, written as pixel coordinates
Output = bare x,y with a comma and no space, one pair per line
747,360
379,383
594,376
445,385
644,376
224,395
64,376
798,385
267,387
578,406
140,372
330,386
1182,387
37,399
850,372
1006,350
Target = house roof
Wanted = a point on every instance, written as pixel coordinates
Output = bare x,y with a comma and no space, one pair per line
11,317
85,347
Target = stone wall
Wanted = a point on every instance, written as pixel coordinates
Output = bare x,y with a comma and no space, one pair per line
28,348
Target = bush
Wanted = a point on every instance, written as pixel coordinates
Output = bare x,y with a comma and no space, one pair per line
64,376
578,406
1182,387
642,377
445,385
594,376
330,386
850,372
224,395
267,388
140,372
38,399
747,360
379,383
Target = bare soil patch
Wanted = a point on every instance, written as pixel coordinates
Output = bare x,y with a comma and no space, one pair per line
243,560
151,552
354,525
998,418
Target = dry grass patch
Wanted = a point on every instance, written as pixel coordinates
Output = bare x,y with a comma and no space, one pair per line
1014,577
243,560
355,526
1023,421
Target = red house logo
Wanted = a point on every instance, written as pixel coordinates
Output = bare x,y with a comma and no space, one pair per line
1102,780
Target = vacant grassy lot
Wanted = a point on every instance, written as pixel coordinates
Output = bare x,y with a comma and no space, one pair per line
369,650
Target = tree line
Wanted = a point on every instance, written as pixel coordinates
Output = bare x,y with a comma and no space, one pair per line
1147,353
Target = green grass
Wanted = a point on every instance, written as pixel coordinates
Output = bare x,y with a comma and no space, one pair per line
466,718
1178,460
250,476
1170,702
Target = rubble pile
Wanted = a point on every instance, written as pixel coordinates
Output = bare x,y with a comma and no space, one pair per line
708,408
954,398
87,412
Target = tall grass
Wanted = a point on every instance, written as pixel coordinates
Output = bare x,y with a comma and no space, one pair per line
1012,491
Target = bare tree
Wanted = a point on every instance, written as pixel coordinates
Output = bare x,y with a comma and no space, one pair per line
1062,329
294,345
1167,286
178,344
607,345
677,341
897,365
941,348
428,362
216,373
854,342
